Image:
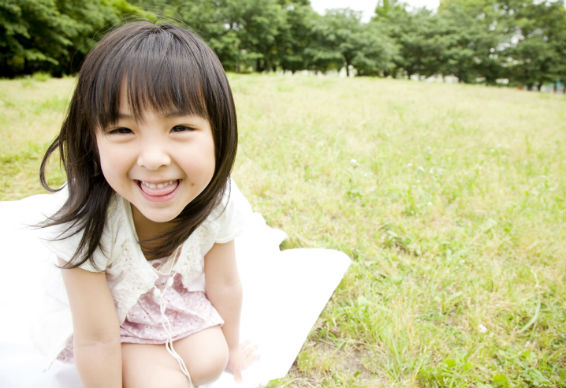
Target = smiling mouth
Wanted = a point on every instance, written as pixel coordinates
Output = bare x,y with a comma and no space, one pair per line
158,190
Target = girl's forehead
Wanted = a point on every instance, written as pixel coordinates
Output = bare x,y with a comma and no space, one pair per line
125,111
135,99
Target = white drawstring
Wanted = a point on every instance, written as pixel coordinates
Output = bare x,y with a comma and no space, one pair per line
167,327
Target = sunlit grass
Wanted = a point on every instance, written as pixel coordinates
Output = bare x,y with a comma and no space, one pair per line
31,112
450,200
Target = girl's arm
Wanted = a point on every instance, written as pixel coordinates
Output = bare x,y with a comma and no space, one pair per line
96,328
224,290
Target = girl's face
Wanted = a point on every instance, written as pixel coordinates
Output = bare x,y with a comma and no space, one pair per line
158,162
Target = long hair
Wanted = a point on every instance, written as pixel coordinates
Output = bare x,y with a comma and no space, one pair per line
162,67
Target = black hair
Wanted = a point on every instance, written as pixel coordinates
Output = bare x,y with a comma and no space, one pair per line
162,67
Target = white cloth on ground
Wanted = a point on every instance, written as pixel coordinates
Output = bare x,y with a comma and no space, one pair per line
279,287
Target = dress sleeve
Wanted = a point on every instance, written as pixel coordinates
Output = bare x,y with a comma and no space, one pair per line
233,213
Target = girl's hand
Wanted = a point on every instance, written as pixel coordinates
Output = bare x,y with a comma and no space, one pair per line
242,357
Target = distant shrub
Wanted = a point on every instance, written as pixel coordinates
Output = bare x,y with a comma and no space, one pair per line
40,76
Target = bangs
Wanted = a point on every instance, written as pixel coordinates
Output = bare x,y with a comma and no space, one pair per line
158,71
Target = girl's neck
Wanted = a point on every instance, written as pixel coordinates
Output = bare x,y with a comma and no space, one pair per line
147,230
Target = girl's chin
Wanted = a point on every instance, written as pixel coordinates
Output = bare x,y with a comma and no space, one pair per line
159,218
153,216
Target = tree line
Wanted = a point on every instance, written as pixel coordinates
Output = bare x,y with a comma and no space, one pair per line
520,41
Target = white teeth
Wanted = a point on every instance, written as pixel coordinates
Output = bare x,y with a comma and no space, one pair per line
157,186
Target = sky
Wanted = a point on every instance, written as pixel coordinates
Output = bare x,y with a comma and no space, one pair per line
366,6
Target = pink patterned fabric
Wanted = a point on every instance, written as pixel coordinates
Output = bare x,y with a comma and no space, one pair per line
188,312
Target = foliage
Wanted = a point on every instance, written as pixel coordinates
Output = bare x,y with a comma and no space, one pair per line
296,37
348,43
55,35
539,55
419,40
480,40
520,41
376,51
475,36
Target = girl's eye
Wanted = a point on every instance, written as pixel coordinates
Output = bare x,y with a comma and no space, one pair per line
120,131
181,128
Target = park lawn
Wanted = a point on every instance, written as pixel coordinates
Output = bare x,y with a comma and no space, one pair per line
450,200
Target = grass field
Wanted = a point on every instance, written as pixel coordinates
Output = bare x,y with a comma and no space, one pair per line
450,200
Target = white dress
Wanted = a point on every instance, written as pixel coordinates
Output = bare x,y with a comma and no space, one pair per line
132,279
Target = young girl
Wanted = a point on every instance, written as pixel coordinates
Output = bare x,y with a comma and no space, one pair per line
145,238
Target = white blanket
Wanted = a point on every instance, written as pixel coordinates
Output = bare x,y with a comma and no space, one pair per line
284,293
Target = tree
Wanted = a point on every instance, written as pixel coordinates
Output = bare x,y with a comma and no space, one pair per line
336,39
257,24
475,40
54,35
539,56
32,36
377,51
295,36
385,9
476,35
421,42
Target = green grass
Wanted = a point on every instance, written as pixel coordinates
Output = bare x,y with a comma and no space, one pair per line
450,200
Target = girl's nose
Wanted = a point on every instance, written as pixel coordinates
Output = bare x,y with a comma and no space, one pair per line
153,156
